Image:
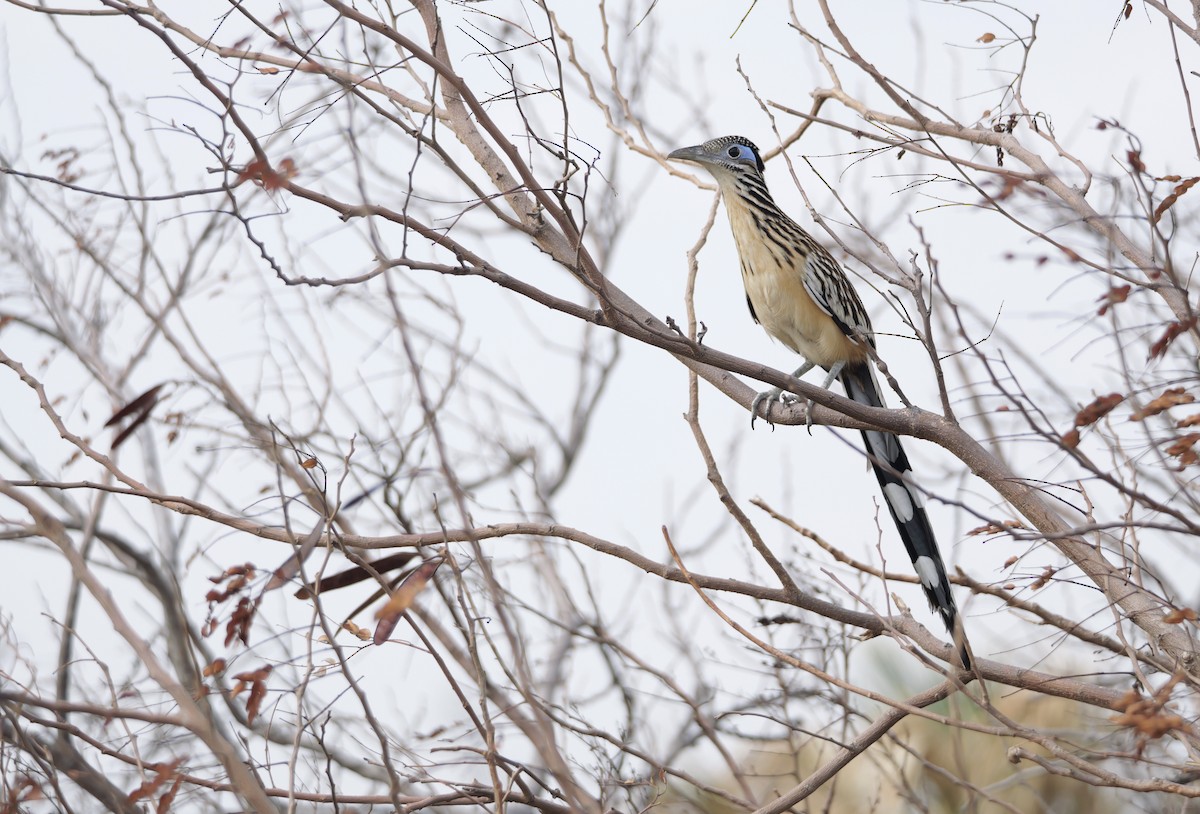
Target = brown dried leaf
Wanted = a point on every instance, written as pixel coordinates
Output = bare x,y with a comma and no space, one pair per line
1071,254
1173,330
1009,186
139,404
140,408
291,566
1044,579
216,667
360,633
1135,160
1188,421
162,773
238,626
1177,615
1175,195
355,575
1183,449
992,528
254,675
258,691
986,38
1070,439
1170,397
269,178
1100,407
257,679
402,598
1116,294
164,802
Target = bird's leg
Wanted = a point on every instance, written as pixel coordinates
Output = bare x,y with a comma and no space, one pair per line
776,394
834,372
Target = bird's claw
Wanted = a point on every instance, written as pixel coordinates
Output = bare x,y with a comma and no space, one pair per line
783,397
768,396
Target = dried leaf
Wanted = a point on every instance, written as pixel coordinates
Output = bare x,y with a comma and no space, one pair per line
1148,716
250,676
986,38
140,408
1100,407
1116,294
258,691
1176,193
1170,397
257,679
1044,579
1173,330
402,598
1183,449
238,626
162,773
1070,439
992,528
1190,421
308,463
164,802
1135,160
352,576
1177,615
253,171
216,667
291,566
358,632
137,405
260,171
1008,187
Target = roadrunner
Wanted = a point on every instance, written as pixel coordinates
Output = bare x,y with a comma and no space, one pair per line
801,296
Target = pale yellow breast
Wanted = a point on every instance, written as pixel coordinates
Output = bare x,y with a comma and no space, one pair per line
775,285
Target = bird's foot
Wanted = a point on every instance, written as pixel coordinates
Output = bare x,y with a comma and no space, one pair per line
769,396
808,411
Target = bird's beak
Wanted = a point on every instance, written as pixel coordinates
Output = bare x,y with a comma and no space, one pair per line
694,154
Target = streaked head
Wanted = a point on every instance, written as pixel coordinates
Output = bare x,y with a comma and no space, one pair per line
725,157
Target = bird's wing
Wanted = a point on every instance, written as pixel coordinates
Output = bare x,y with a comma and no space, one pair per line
831,290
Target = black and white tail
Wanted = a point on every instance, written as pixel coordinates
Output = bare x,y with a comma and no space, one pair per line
907,506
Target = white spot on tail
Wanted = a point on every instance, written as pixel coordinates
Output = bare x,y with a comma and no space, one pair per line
884,446
928,572
898,498
917,497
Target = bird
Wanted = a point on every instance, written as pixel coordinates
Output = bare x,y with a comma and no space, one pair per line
802,297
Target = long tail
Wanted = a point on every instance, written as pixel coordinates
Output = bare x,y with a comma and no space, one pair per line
907,506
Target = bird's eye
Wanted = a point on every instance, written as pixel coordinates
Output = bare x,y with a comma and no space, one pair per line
735,151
